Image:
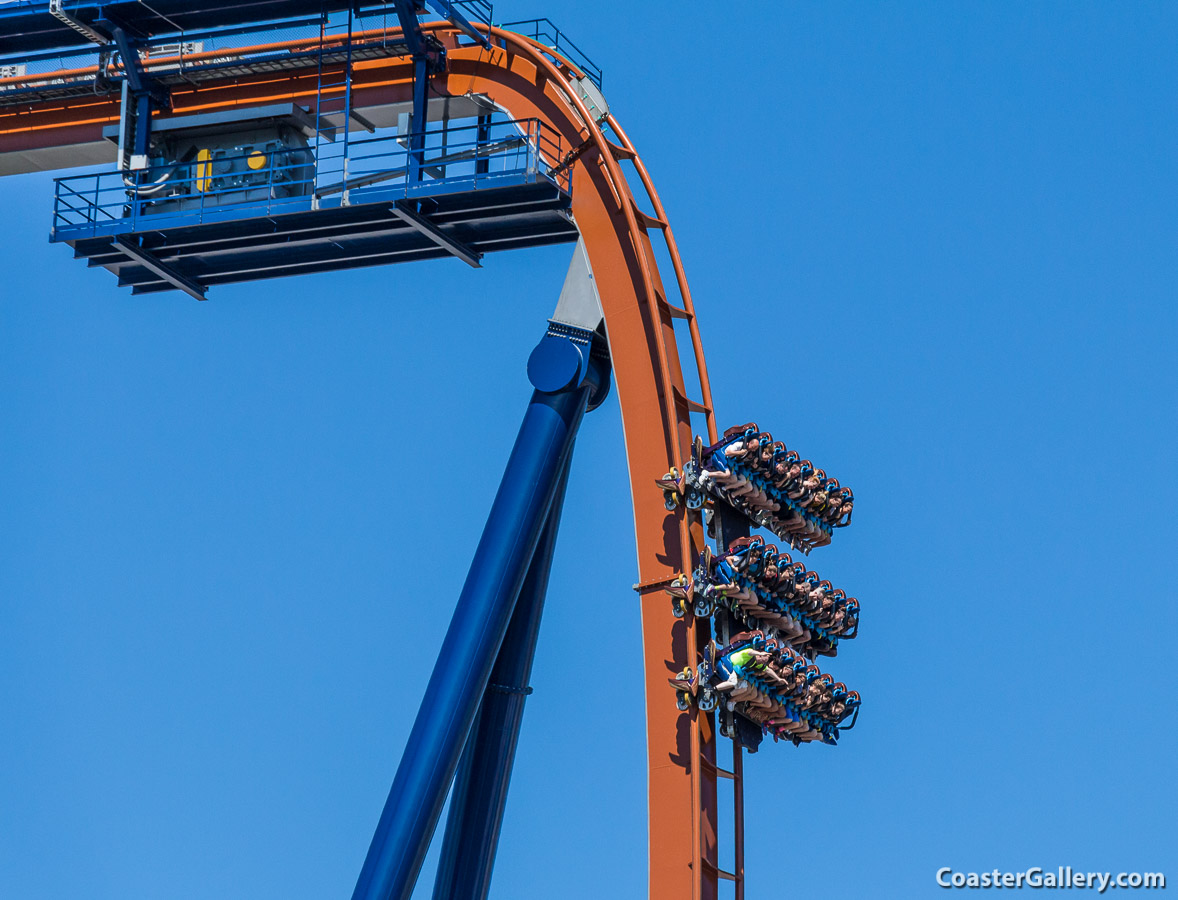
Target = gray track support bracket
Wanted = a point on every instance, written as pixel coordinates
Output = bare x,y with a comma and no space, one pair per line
579,304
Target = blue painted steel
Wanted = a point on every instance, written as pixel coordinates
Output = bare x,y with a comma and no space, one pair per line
472,642
514,153
421,78
136,97
426,61
28,27
191,68
328,240
545,32
483,135
131,66
480,790
479,8
555,364
407,14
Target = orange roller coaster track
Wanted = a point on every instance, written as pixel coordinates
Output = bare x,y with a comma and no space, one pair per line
531,80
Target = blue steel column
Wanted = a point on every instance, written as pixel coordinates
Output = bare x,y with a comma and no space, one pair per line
411,28
480,790
480,621
420,115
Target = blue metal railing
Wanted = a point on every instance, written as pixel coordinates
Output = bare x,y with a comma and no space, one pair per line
197,51
174,56
48,69
544,31
381,169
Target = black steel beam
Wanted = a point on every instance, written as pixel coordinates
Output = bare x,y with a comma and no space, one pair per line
470,229
193,288
477,225
358,262
403,210
214,265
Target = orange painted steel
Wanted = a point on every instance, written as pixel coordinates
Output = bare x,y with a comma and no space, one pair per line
682,781
531,80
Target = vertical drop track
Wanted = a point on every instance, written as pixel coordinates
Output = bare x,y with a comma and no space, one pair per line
530,79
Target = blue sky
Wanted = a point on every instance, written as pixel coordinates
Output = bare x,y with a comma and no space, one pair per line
932,245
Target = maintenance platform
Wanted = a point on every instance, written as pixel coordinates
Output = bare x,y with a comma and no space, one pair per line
230,148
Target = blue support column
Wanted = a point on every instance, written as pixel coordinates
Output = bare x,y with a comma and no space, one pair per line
567,379
482,137
137,101
425,62
419,119
480,790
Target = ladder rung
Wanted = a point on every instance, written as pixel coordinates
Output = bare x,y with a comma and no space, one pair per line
677,312
727,876
646,220
722,773
692,405
619,152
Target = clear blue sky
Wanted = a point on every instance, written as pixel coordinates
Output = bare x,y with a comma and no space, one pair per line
933,245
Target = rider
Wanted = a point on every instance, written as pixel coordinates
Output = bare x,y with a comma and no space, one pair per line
736,659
